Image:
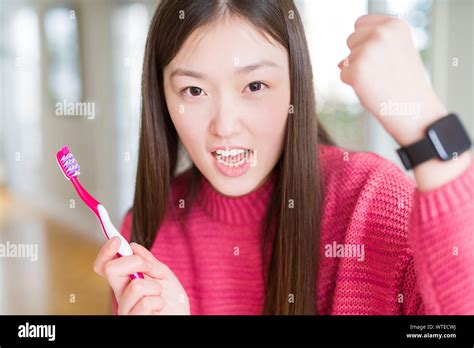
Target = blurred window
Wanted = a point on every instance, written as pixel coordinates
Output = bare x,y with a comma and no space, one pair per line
21,96
62,44
130,26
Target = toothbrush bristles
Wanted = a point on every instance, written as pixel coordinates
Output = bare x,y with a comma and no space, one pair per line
70,165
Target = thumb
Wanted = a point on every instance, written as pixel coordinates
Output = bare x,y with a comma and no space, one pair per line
161,270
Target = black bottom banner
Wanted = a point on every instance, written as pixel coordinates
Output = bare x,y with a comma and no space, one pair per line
156,330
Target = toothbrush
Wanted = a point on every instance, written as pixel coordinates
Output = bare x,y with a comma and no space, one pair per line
71,169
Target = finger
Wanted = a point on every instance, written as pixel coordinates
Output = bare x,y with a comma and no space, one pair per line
347,74
371,20
148,305
107,253
346,63
117,271
135,291
359,36
343,63
160,270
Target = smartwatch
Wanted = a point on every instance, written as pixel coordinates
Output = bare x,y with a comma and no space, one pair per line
445,139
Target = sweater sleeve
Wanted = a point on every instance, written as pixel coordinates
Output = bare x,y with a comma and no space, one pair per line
439,276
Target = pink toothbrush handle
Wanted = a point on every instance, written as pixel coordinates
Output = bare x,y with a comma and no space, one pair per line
136,276
95,207
70,169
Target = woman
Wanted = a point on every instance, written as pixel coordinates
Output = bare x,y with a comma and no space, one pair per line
273,218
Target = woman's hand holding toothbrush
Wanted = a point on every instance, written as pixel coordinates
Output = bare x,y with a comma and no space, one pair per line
160,293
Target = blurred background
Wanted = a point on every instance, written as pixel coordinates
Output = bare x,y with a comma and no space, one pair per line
70,74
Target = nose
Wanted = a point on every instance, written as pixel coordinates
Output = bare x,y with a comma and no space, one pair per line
227,121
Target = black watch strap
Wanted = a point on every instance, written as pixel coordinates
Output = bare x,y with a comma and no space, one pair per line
444,139
417,153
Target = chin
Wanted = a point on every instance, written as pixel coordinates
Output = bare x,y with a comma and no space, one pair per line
234,186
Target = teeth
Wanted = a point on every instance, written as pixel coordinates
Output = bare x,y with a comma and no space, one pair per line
232,164
232,158
233,152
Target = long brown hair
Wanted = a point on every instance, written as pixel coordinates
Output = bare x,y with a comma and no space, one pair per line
294,212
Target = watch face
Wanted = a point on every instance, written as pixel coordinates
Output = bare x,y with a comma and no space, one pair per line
449,137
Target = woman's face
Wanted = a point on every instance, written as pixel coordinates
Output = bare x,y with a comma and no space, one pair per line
228,90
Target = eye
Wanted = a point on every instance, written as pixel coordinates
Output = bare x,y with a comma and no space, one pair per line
193,91
255,86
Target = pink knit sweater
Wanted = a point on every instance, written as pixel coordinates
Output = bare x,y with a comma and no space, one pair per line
405,252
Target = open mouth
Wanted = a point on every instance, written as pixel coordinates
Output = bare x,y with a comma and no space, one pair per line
232,158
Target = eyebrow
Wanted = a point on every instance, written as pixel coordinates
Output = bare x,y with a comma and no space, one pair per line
242,70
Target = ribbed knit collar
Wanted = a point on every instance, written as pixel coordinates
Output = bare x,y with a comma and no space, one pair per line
242,210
